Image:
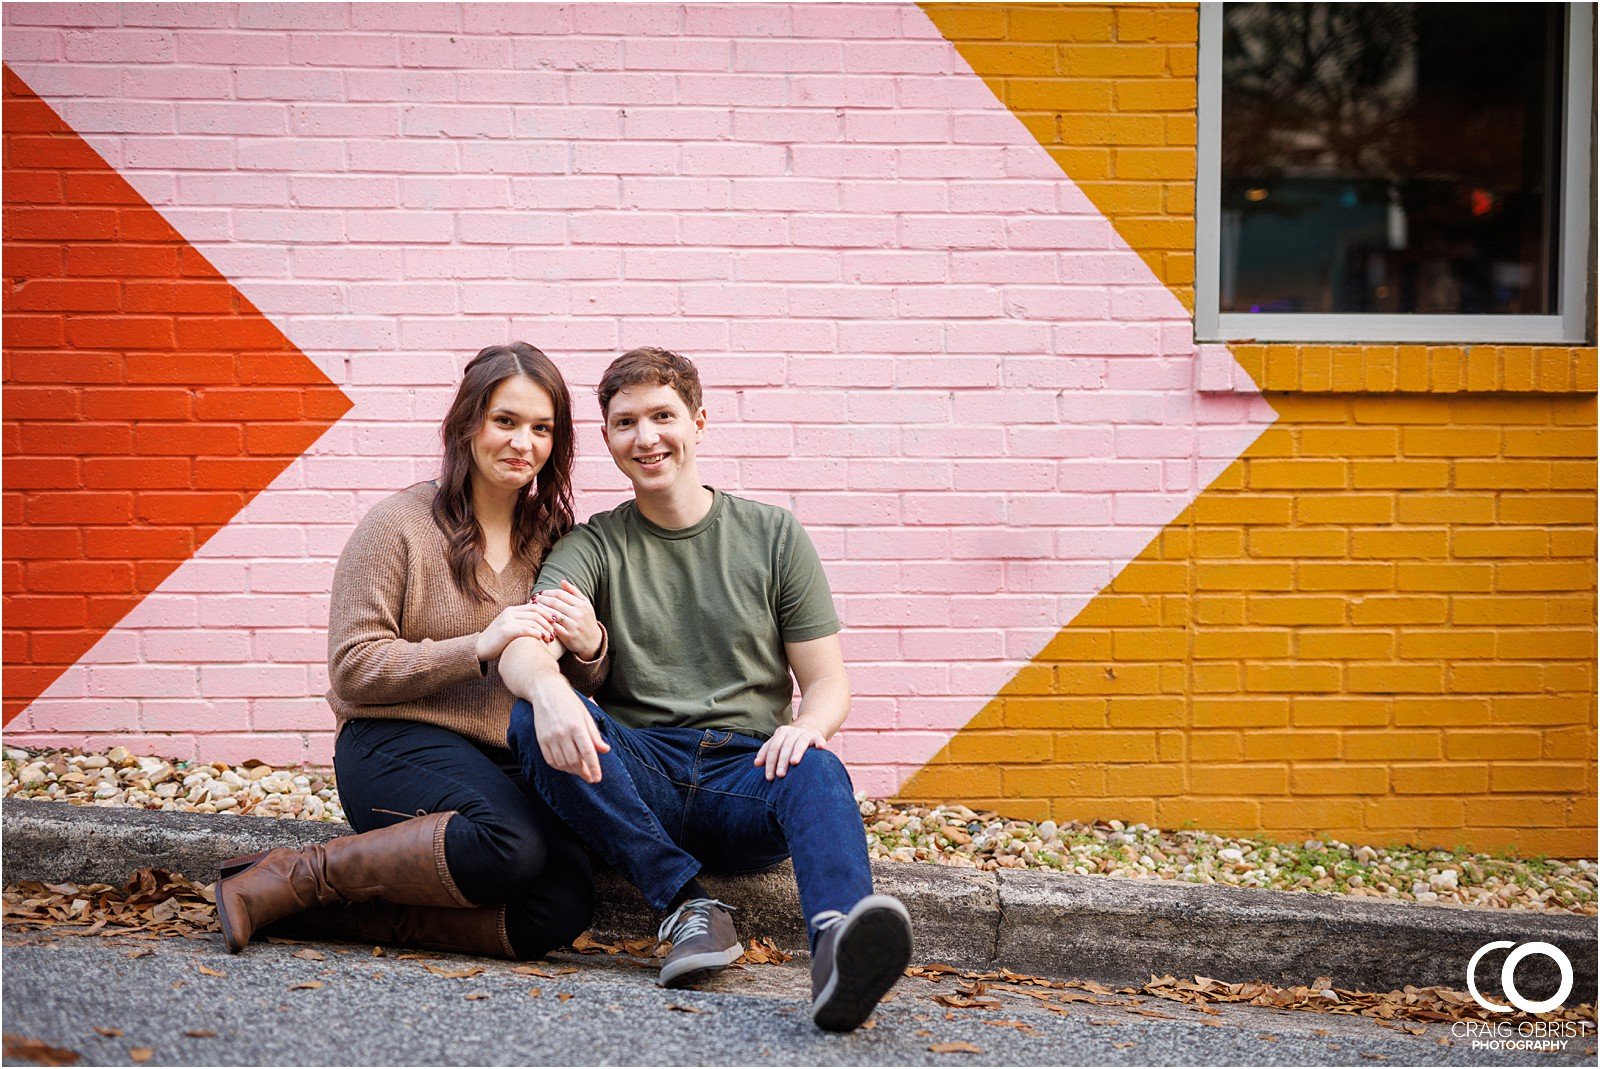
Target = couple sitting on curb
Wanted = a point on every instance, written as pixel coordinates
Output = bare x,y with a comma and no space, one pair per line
684,612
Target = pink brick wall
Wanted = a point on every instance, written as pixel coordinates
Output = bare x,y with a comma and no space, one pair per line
917,333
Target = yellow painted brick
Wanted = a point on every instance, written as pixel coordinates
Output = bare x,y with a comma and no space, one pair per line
1215,678
1011,747
1501,609
1175,25
1217,746
1549,442
1129,810
1415,813
1281,374
1212,815
1394,545
1498,745
1343,644
1083,163
1564,744
1233,780
1445,508
1569,608
1464,578
1399,410
1324,818
1042,126
1399,609
1155,94
1002,59
1131,610
1501,410
1545,709
1338,779
1572,543
1392,746
940,782
1083,781
1086,644
1233,645
1515,812
1399,474
1292,678
1154,162
1346,442
1183,61
1113,129
1341,712
1502,474
1240,712
1345,508
1499,678
962,22
1117,679
1059,94
1295,609
1545,776
1344,577
1106,746
1547,508
1483,369
1450,442
1156,233
1297,542
1553,842
1553,645
1442,711
1556,576
1209,576
1395,678
1292,745
1153,780
1075,23
1572,475
1147,712
1112,61
1124,198
1170,745
1219,609
1449,644
1255,508
1032,679
1053,712
1180,264
1181,129
1499,542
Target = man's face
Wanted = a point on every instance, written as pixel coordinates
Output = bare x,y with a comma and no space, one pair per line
652,437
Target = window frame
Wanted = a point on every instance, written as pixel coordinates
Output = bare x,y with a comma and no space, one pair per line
1569,324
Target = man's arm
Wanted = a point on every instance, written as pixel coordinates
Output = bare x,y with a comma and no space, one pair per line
818,666
568,736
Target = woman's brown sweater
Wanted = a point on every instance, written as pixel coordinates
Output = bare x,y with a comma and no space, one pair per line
402,640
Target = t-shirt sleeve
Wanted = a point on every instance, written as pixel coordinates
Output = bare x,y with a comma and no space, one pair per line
578,558
805,604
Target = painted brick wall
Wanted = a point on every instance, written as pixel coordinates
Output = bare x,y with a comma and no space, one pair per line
919,333
1380,622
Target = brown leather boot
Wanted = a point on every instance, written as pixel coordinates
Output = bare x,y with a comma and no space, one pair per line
480,931
403,863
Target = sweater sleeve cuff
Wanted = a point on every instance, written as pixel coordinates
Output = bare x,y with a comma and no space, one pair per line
588,675
455,660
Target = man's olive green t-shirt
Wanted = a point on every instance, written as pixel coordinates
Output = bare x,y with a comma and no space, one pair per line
698,617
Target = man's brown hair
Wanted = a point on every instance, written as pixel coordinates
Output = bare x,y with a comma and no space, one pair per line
650,366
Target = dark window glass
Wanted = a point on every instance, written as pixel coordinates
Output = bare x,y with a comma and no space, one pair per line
1388,158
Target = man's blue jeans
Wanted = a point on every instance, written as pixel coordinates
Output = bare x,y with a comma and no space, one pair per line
673,800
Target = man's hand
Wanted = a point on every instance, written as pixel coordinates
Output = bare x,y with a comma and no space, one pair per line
571,616
568,736
787,745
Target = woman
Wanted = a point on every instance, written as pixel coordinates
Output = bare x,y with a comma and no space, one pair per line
457,851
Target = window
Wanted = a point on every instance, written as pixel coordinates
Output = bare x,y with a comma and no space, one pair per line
1394,172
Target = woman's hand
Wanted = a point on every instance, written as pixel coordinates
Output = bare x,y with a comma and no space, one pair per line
514,622
571,616
786,747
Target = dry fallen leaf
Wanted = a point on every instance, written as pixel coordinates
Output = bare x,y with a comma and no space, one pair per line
38,1051
310,955
477,995
200,1033
141,952
535,992
377,952
1103,1020
955,1047
564,996
306,985
140,1054
1125,1044
454,974
532,970
109,1033
684,1009
208,971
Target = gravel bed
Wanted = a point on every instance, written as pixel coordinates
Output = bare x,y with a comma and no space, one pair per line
945,835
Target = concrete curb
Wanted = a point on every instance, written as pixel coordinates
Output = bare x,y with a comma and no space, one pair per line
1115,931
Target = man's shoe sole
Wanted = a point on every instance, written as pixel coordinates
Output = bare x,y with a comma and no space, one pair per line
692,968
870,955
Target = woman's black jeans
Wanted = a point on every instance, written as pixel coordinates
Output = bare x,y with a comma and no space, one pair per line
504,846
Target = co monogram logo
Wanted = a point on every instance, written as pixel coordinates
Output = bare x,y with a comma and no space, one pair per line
1508,976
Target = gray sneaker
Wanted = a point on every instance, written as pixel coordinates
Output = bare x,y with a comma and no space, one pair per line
703,942
859,957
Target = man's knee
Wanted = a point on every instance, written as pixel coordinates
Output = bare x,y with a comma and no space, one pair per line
819,770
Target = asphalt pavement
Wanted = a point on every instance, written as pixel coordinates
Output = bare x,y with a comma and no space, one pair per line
188,1002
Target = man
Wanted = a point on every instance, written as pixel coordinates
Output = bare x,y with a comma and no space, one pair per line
697,760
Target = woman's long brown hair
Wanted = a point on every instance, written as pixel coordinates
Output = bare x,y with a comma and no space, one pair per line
541,517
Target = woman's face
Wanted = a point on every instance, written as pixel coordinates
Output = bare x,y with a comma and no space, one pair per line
516,437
